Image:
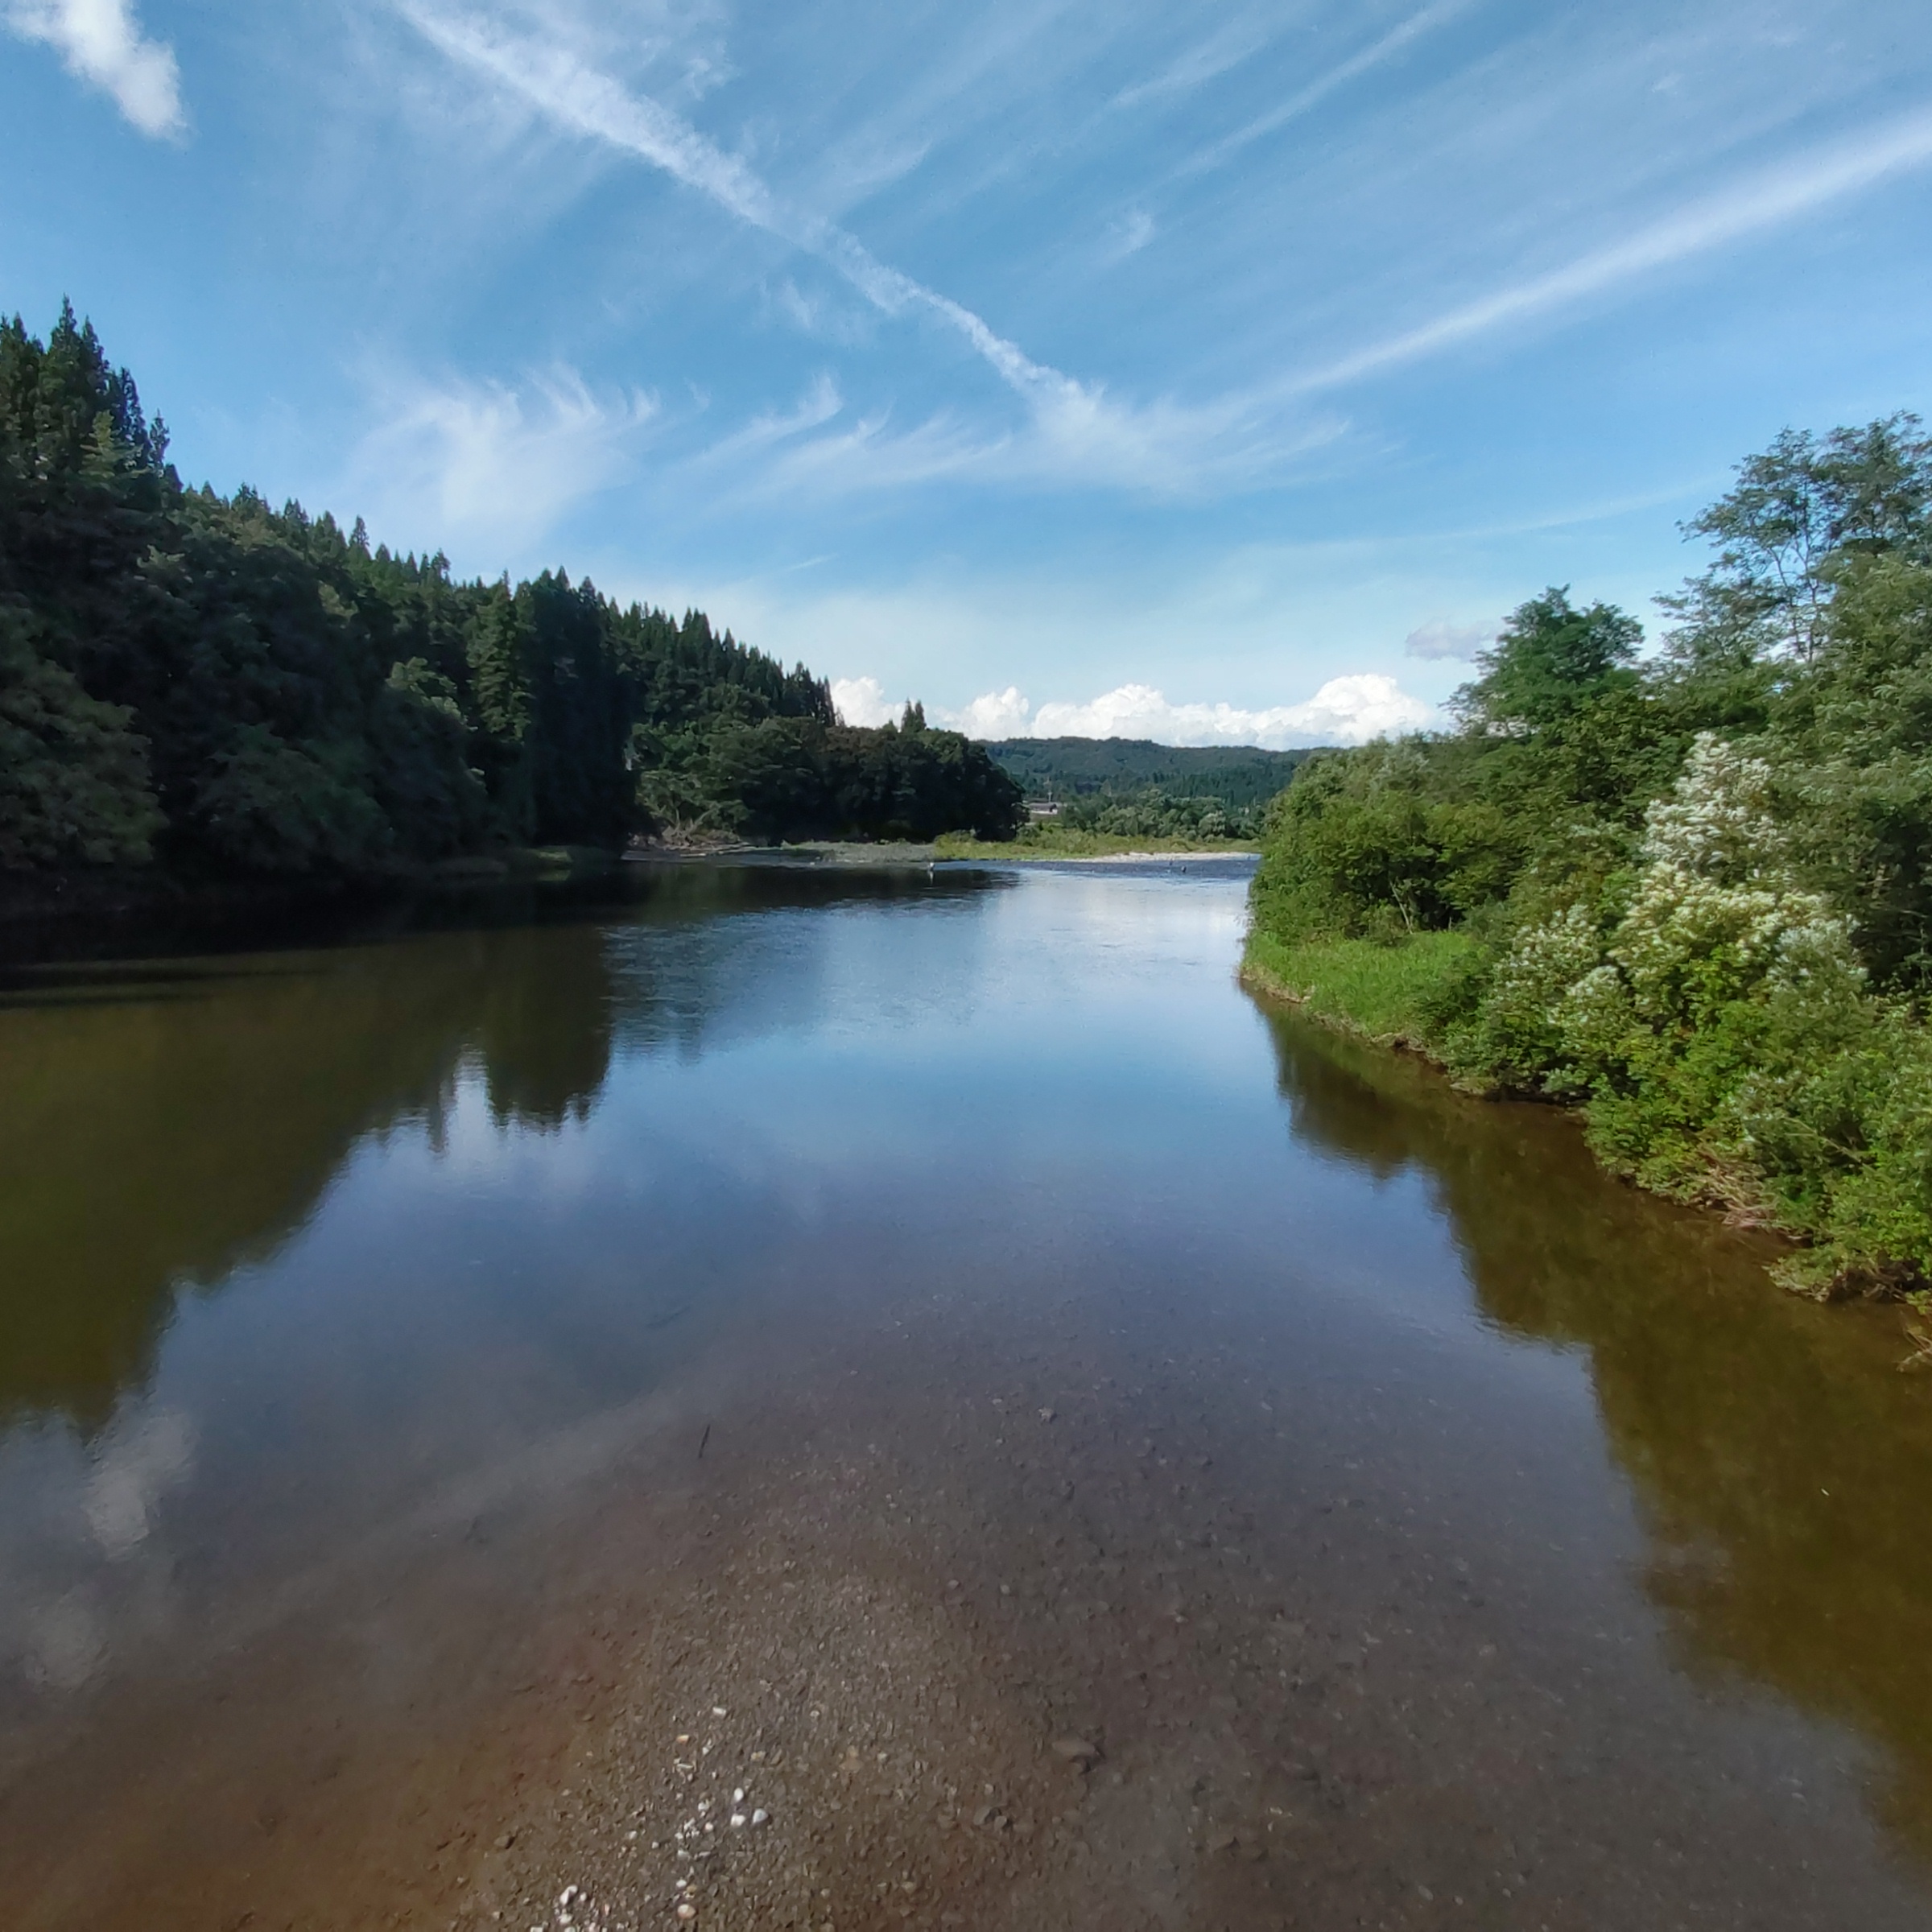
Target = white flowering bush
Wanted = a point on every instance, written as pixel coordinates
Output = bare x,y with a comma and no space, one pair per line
1690,889
1514,1036
1720,1029
1718,911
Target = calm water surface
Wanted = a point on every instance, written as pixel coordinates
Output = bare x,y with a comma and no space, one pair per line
359,1300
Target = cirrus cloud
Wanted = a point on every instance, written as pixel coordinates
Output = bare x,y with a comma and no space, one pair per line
490,467
1076,432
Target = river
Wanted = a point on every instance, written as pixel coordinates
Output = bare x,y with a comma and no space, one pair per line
924,1365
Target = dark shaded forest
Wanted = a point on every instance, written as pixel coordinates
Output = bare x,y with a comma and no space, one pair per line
206,687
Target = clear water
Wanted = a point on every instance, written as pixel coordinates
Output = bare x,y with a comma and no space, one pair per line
353,1291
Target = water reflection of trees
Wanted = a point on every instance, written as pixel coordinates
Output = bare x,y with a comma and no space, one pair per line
1778,1456
165,1124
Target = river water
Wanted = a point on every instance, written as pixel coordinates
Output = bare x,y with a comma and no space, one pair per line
480,1386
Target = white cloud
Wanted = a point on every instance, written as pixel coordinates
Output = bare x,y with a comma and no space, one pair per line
1161,449
1205,61
1440,638
1318,89
589,103
101,41
866,454
863,701
997,714
1077,431
816,407
492,467
819,314
1346,710
1129,234
1777,194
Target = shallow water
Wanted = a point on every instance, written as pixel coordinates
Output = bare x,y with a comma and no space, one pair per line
1429,1529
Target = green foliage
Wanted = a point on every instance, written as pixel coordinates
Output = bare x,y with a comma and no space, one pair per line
1157,814
1854,743
1800,514
1694,895
800,778
219,687
1237,777
1369,845
1550,661
1044,839
73,778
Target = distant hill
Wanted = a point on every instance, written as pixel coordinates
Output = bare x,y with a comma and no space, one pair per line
1238,775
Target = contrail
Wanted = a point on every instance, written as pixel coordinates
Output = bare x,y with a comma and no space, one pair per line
591,103
1318,89
1777,194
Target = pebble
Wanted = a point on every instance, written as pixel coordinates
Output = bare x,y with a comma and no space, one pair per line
1075,1750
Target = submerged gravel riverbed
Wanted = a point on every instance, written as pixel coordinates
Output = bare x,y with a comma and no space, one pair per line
1110,1638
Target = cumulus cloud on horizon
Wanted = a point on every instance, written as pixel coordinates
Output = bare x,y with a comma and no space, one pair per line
863,701
1348,710
101,42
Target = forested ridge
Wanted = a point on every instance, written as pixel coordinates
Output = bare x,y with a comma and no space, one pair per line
1132,788
207,686
1689,892
1236,777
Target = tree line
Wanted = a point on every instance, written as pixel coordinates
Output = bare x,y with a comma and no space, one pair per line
1237,777
209,686
1689,891
1160,814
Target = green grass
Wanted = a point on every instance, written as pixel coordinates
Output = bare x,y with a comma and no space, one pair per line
1047,840
1380,992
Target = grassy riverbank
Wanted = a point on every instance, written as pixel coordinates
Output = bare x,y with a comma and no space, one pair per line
1047,840
1384,994
1688,893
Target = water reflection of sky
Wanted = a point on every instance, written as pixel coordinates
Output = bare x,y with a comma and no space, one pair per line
297,1247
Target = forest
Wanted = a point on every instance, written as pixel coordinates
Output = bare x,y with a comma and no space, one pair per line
1238,777
1687,890
1131,788
203,687
1159,814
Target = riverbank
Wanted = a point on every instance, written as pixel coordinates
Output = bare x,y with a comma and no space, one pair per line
46,915
1391,996
1381,993
1044,841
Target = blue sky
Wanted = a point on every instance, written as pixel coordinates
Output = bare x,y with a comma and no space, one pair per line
1030,359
